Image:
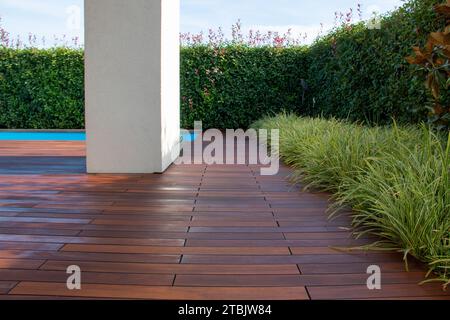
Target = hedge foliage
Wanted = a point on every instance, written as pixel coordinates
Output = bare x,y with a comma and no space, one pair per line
353,72
233,86
361,73
41,89
228,88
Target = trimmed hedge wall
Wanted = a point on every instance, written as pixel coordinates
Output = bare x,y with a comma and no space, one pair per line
353,73
234,86
41,89
229,88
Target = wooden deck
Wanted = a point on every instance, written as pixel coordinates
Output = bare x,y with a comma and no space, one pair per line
195,232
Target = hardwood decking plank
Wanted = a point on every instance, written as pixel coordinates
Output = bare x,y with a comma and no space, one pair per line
89,256
176,268
343,268
387,291
163,293
92,240
213,231
293,280
30,246
288,259
31,231
176,250
20,264
88,277
294,244
183,235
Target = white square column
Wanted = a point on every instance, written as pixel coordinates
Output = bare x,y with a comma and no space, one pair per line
132,61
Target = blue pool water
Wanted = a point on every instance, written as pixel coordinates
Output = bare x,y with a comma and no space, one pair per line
43,136
189,137
59,136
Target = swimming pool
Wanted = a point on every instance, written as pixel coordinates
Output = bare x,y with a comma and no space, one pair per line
57,136
42,136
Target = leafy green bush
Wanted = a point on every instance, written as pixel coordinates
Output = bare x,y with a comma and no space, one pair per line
354,72
226,89
433,61
396,179
41,89
232,86
361,73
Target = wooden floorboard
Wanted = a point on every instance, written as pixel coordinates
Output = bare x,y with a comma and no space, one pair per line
388,291
177,269
195,232
163,292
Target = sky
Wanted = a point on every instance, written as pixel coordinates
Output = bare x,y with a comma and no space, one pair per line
55,18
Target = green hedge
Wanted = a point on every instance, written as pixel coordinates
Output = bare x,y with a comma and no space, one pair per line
228,88
232,87
41,88
353,73
362,74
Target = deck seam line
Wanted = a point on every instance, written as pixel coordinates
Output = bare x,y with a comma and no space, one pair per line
174,279
308,293
42,264
299,270
13,287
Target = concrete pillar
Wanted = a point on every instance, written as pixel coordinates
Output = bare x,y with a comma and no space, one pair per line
132,85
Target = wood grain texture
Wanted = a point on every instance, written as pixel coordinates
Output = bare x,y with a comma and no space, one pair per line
178,269
163,293
195,232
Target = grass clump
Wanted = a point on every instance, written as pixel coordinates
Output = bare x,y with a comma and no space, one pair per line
396,179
